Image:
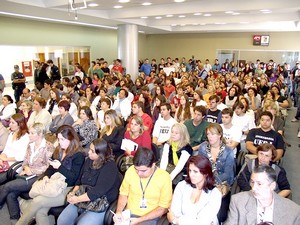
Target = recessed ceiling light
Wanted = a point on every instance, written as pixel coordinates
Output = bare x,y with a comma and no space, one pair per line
146,3
144,17
179,0
197,14
265,10
118,6
124,1
181,16
235,14
207,14
169,15
92,5
158,17
229,12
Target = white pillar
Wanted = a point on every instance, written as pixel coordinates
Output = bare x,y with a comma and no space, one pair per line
128,48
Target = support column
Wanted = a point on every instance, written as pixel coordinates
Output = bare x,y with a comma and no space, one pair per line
128,48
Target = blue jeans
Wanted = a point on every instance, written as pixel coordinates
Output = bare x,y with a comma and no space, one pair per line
70,216
10,192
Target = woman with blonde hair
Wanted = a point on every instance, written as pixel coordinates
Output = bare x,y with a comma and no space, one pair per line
177,151
113,132
138,135
26,109
83,101
277,122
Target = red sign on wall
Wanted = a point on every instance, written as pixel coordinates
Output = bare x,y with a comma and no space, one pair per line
27,68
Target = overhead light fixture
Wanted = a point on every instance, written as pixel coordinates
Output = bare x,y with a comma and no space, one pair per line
77,6
173,25
181,16
265,10
235,14
197,14
179,0
229,12
207,14
169,15
146,3
144,17
124,1
158,17
118,6
93,5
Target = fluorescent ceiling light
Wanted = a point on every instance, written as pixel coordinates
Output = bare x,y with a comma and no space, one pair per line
169,15
158,17
124,1
181,16
144,17
235,14
207,14
229,12
197,14
179,0
265,10
146,3
93,5
118,6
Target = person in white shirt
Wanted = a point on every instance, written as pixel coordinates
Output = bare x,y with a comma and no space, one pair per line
122,105
7,109
16,144
162,127
40,114
231,133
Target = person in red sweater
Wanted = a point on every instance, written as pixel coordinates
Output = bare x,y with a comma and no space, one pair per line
138,135
169,88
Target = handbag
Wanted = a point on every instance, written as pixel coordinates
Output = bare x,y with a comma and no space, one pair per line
98,205
49,187
4,167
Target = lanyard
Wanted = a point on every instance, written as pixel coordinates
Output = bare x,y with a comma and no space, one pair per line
146,184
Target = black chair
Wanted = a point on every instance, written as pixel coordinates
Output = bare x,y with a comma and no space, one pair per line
123,164
108,217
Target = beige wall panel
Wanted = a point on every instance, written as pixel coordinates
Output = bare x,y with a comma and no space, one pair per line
103,42
205,45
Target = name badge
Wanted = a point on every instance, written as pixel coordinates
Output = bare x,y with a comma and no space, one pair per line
143,203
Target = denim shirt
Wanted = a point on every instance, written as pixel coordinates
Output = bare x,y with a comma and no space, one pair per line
225,164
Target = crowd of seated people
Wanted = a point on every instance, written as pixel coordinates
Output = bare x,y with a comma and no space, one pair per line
210,112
